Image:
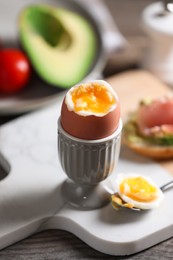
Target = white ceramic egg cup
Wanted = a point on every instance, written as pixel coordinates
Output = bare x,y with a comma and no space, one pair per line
31,198
87,163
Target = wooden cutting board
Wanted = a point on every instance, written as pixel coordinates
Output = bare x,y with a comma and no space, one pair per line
30,190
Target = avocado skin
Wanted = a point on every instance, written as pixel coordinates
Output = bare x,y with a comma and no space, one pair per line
60,44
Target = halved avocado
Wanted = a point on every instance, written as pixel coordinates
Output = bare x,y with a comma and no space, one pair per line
60,43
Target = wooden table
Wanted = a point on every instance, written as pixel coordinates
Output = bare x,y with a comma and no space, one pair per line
60,245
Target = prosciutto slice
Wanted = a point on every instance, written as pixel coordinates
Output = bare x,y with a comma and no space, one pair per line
156,117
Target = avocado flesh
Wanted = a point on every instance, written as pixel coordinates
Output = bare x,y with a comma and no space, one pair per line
131,132
60,44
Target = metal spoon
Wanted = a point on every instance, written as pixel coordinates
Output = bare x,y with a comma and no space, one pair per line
117,201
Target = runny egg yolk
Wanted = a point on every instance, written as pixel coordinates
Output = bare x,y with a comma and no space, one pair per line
138,189
93,98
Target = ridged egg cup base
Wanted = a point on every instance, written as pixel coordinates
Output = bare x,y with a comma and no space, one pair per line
87,163
85,196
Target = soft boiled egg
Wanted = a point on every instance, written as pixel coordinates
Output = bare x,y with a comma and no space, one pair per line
138,191
90,110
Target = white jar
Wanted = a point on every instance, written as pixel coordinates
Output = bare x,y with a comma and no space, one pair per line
158,57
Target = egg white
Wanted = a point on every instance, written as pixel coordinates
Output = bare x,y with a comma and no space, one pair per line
137,204
70,104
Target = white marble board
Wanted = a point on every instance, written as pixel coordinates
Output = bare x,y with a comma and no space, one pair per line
31,201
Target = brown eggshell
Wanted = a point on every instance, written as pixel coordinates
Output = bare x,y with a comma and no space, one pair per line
89,127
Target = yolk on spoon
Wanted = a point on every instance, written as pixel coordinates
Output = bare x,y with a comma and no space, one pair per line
138,189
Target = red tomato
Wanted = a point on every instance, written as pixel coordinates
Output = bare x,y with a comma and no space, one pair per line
14,70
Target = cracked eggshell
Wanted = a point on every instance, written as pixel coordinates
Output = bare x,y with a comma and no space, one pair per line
91,126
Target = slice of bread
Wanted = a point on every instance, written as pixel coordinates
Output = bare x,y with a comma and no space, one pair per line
142,145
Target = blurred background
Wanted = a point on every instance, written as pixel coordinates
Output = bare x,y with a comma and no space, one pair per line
121,45
127,15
